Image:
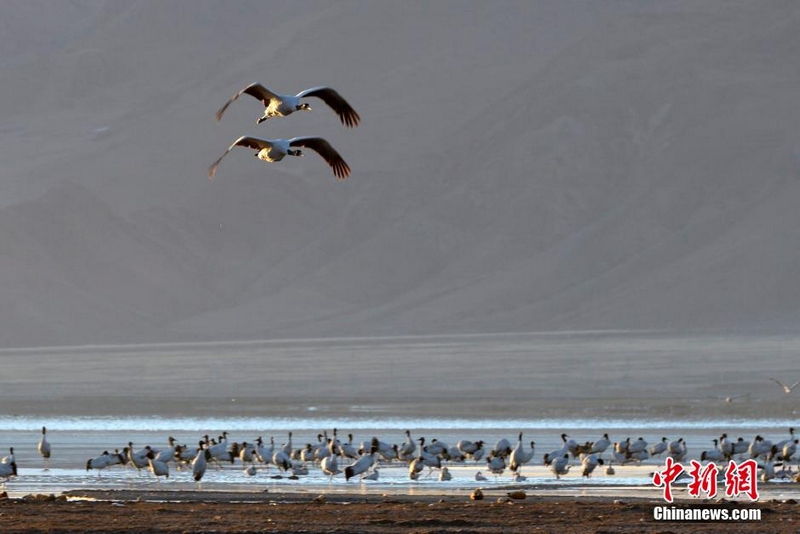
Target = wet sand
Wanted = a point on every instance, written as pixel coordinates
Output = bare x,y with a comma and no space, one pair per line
126,511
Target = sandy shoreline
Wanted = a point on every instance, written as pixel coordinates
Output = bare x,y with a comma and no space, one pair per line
165,511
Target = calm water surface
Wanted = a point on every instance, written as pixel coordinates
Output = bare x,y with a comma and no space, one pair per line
76,439
483,387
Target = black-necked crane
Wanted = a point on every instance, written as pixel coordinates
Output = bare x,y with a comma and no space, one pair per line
44,448
415,467
659,448
519,456
759,447
501,448
247,453
637,446
277,105
158,467
105,460
200,462
468,447
348,450
362,465
219,450
589,462
272,150
330,463
407,448
600,446
496,465
560,466
676,450
713,455
138,459
8,470
778,447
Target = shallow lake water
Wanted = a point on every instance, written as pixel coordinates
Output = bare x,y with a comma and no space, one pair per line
486,387
75,439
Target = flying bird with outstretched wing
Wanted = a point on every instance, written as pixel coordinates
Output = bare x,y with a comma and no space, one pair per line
277,105
272,150
786,389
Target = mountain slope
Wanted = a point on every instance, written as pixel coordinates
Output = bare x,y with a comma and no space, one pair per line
518,168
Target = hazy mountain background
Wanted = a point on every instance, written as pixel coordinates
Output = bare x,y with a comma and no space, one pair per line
521,166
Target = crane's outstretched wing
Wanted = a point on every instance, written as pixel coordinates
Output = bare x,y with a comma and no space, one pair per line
340,167
245,141
256,90
346,113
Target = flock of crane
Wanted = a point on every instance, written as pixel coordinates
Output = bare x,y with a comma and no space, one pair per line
277,105
333,456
